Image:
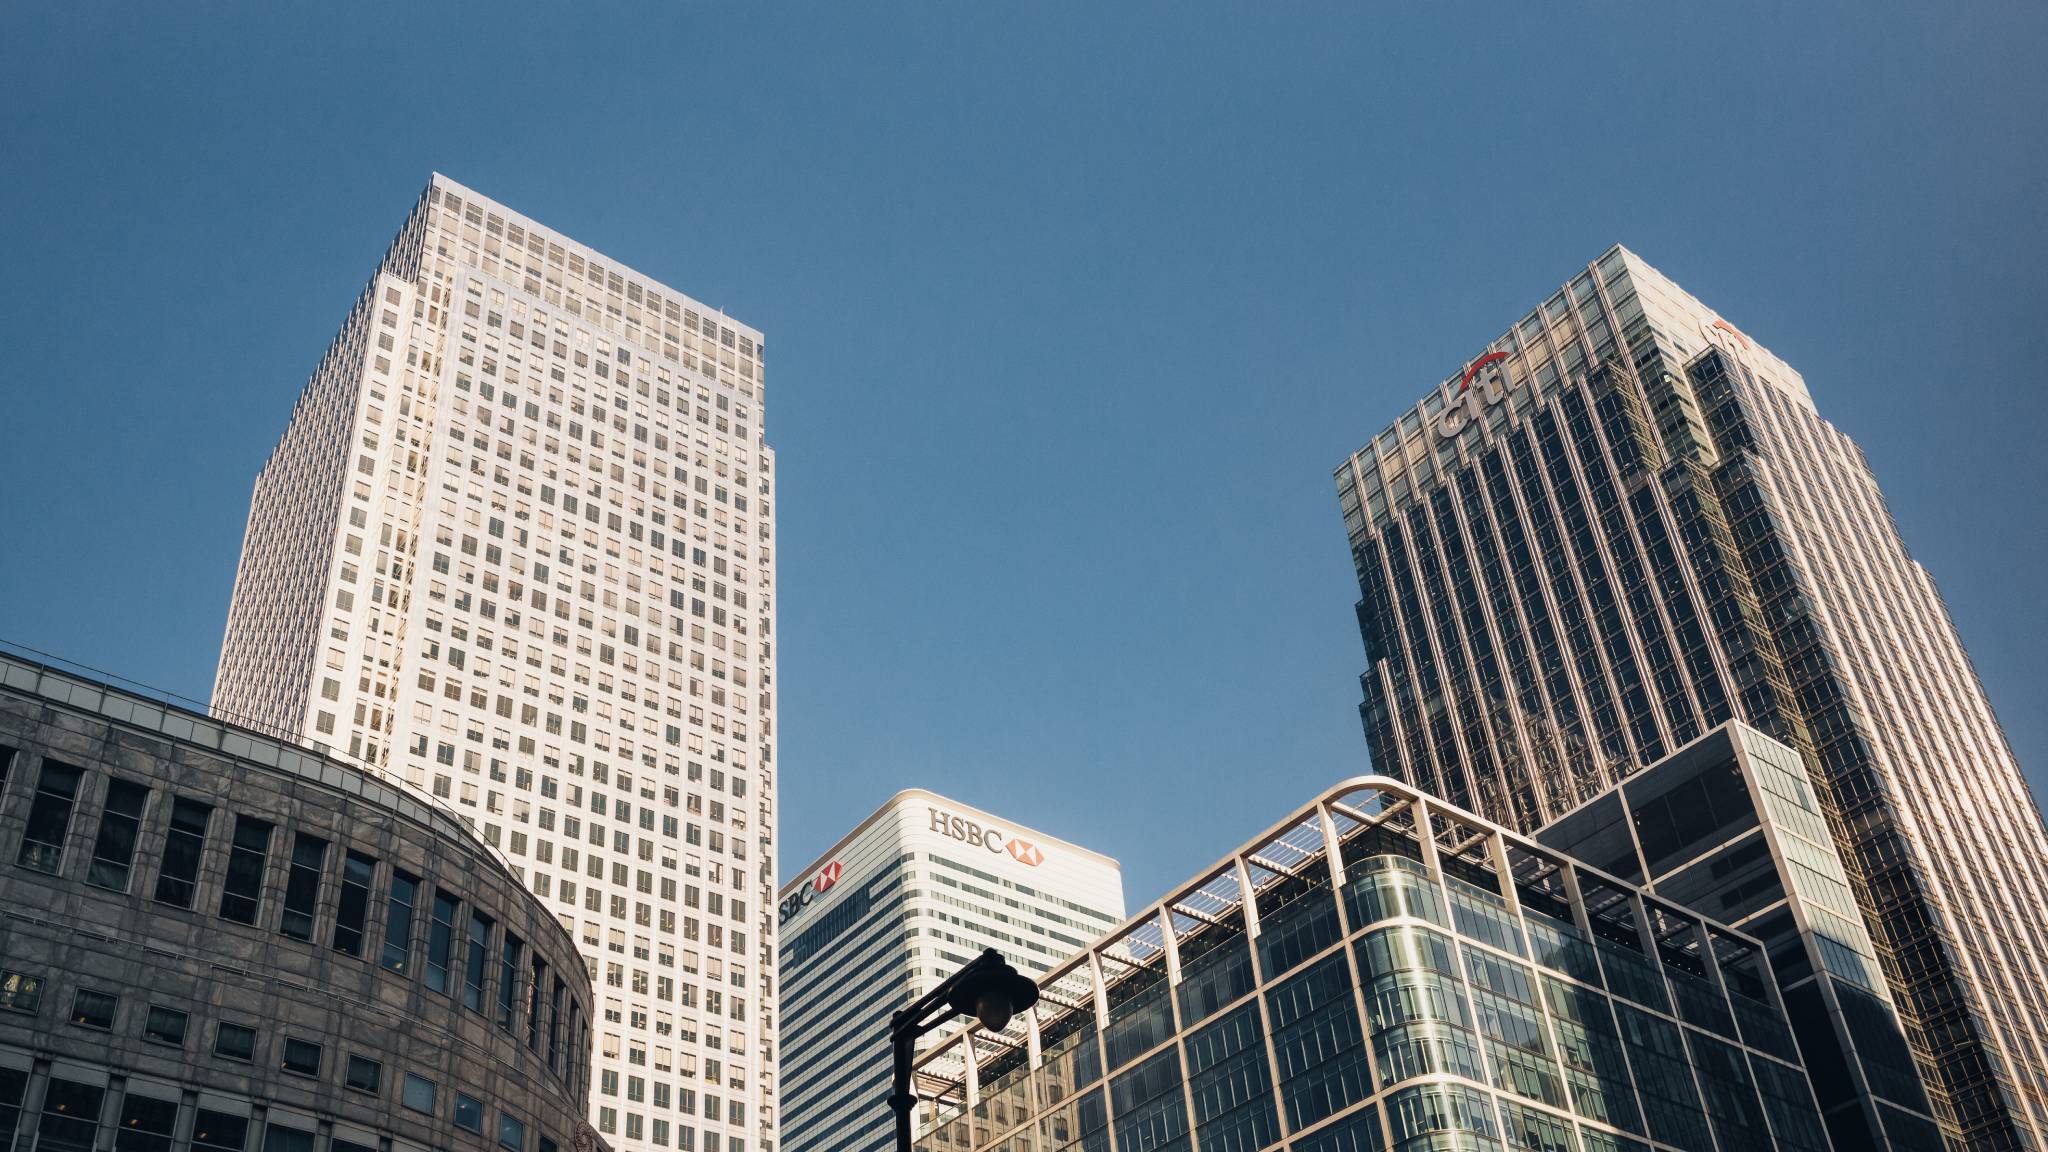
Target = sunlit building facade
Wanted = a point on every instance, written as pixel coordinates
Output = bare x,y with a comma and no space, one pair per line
901,902
515,549
1623,523
1381,970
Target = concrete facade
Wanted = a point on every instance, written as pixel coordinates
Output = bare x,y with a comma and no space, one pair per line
205,937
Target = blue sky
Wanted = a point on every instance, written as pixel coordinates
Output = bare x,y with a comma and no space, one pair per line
1071,310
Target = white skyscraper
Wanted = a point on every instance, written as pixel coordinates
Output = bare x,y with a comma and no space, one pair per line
900,903
515,548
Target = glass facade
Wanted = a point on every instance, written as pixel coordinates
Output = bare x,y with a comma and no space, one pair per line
1382,971
1730,826
1625,524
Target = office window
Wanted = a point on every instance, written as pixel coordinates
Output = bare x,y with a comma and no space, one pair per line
479,961
92,1009
71,1116
441,940
352,910
20,991
508,981
219,1131
165,1025
13,1081
364,1074
147,1124
177,878
49,817
302,887
242,891
419,1093
537,980
113,852
234,1042
301,1057
469,1113
278,1138
399,911
511,1132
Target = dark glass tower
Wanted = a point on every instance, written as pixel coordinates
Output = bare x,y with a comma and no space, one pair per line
1624,523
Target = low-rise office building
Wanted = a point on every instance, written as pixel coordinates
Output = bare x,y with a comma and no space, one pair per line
1731,826
1381,970
216,940
898,904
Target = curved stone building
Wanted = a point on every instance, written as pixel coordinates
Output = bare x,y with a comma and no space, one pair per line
213,939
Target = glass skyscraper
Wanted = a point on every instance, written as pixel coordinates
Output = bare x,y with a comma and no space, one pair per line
1622,523
1381,970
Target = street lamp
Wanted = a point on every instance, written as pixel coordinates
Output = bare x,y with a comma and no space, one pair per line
987,989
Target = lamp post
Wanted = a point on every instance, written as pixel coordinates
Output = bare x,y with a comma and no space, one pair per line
987,988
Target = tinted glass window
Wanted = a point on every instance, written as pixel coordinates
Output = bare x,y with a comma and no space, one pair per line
49,817
405,893
234,1042
352,911
147,1124
302,886
114,851
177,880
222,1131
243,888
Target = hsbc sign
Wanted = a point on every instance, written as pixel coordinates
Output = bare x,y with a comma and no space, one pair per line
800,899
1487,382
992,840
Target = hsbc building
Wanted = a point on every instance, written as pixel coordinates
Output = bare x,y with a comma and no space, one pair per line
910,894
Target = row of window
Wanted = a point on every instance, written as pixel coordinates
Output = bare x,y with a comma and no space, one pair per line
326,721
72,1112
98,1010
521,256
512,986
161,1024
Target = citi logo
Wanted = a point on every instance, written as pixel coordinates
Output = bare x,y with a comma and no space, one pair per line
1725,326
1495,378
827,877
994,840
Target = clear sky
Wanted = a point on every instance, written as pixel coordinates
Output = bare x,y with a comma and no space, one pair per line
1071,310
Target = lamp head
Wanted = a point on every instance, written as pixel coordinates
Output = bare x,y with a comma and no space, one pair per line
993,992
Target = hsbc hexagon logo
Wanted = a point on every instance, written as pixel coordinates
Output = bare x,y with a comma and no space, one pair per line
801,899
827,877
1025,852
